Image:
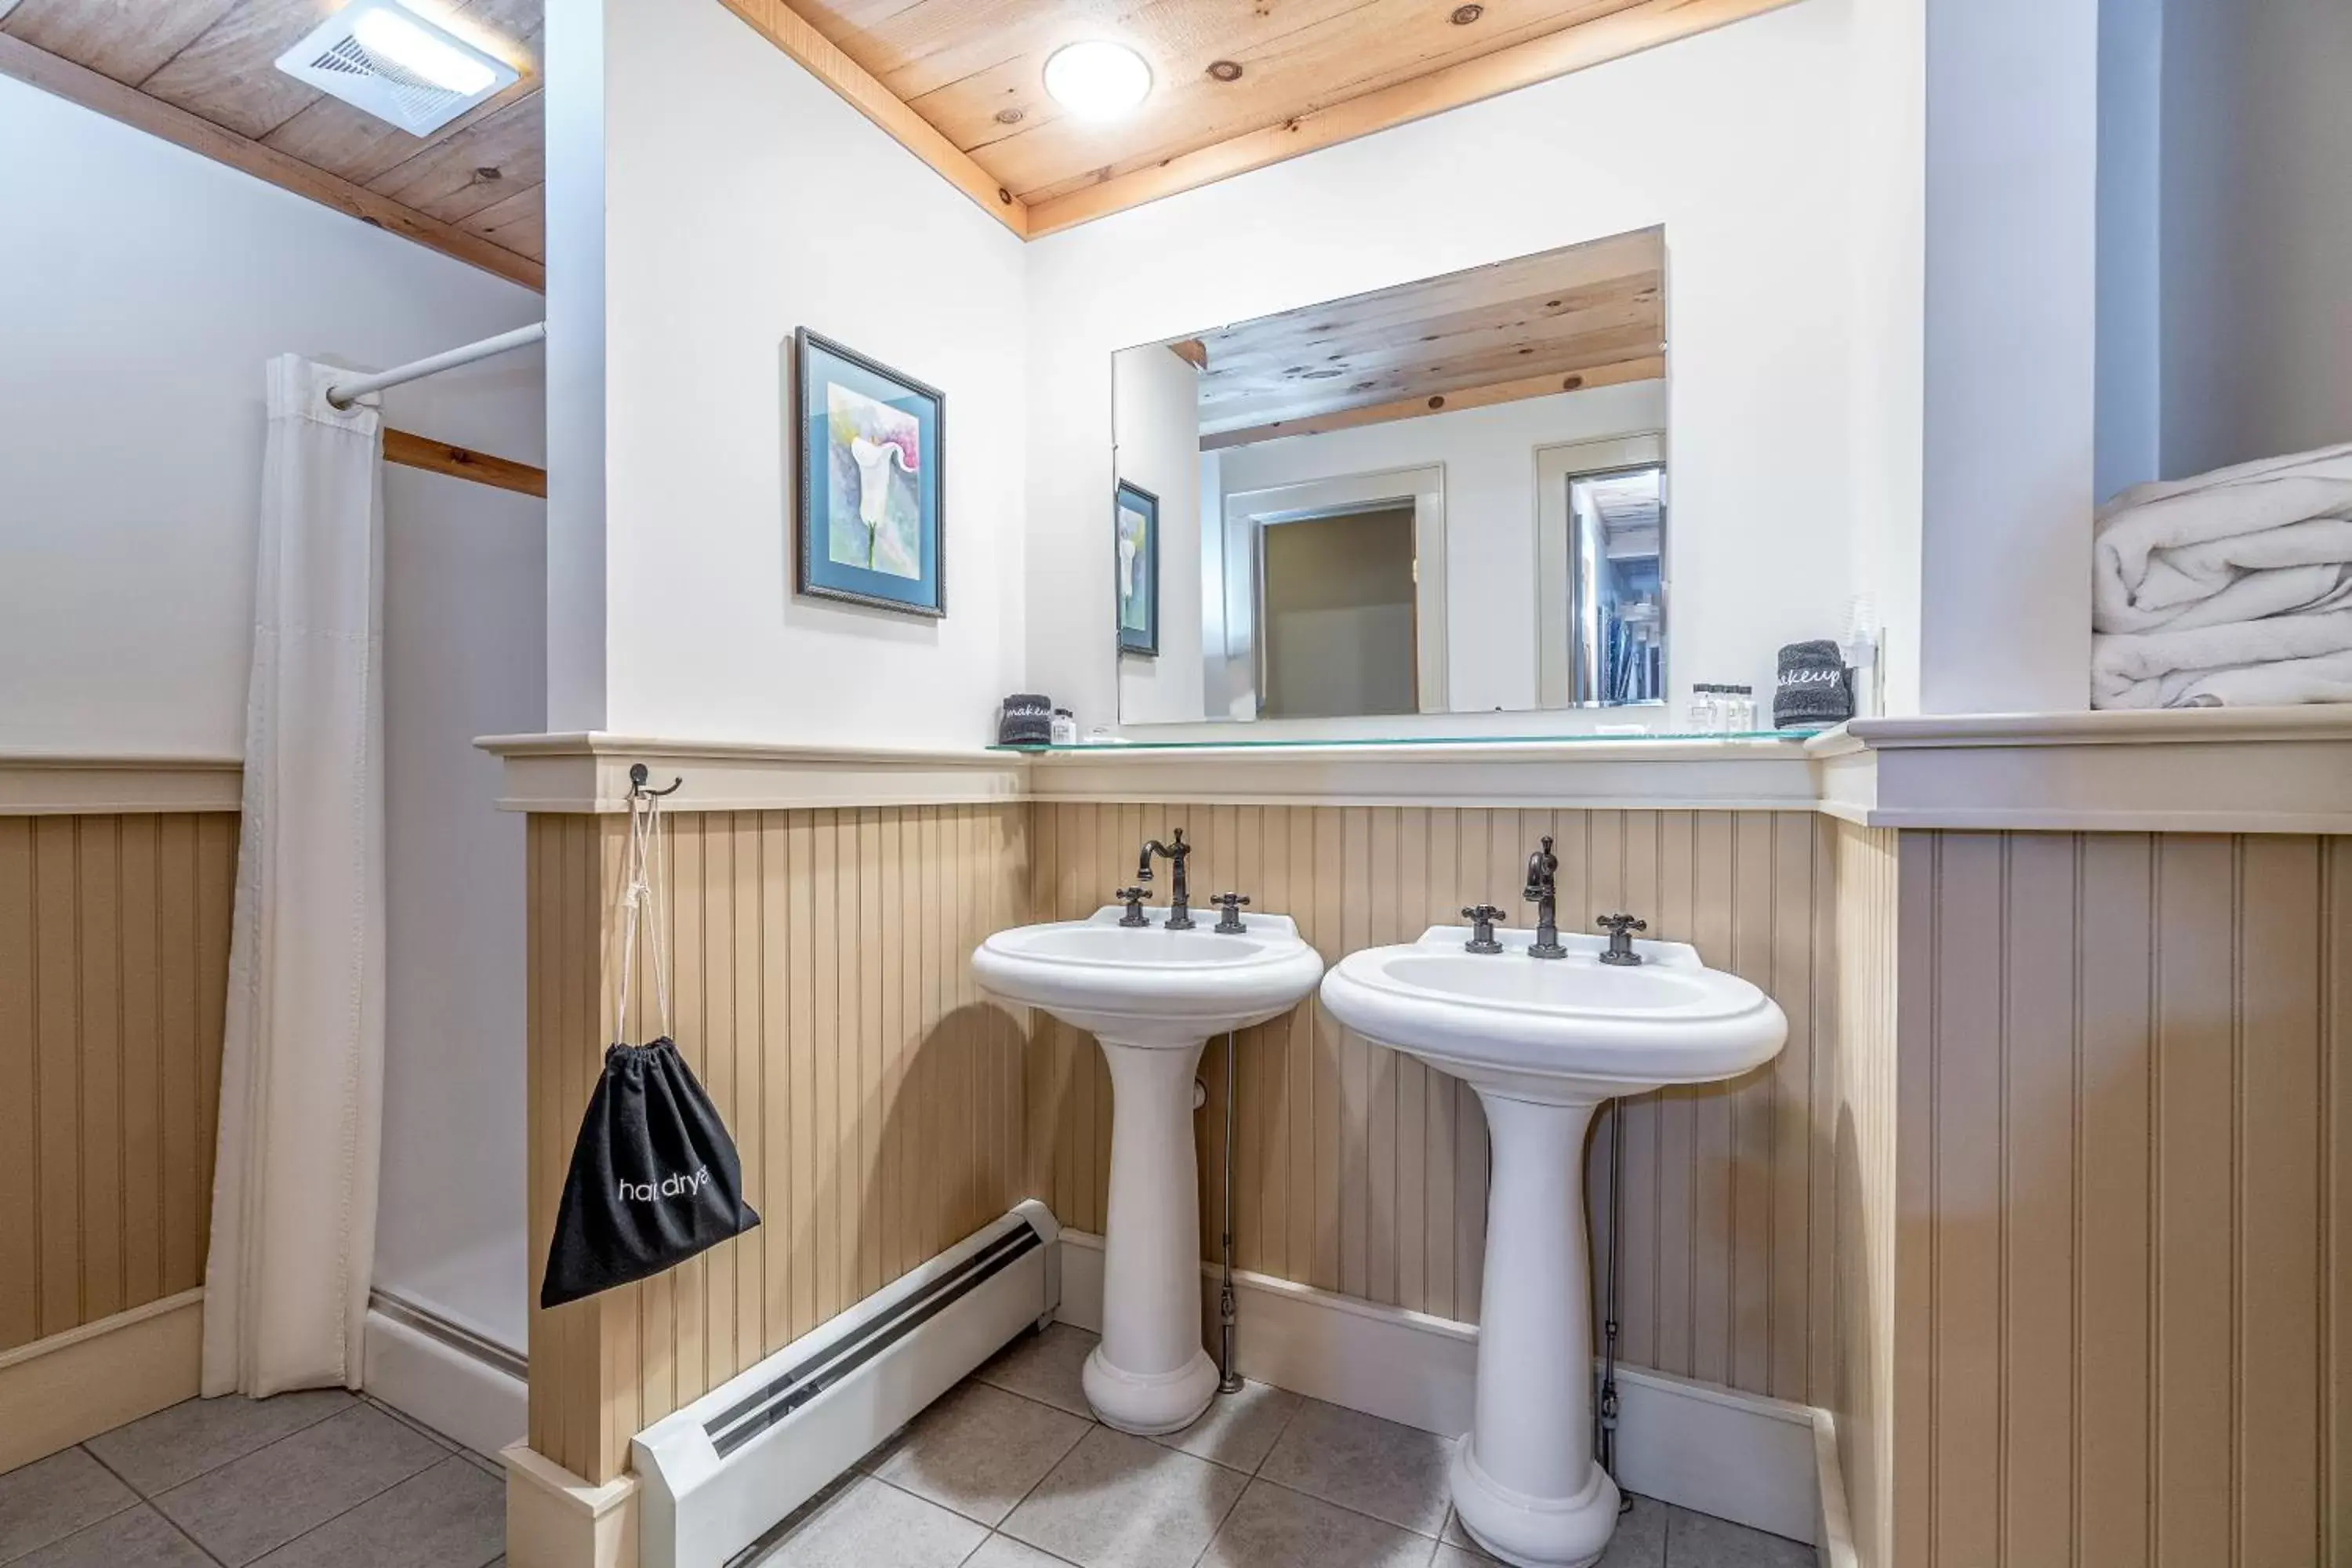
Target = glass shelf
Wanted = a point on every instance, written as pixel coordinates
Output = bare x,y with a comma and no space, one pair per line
1298,743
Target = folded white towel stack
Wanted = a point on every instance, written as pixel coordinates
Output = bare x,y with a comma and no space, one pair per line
2228,589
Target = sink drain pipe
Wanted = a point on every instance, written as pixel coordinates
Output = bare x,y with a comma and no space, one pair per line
1229,1381
1604,1407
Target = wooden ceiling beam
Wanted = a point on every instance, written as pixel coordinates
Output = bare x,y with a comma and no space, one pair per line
1648,368
411,450
786,29
78,84
1575,48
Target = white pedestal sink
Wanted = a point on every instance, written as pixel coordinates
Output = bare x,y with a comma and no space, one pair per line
1154,997
1544,1041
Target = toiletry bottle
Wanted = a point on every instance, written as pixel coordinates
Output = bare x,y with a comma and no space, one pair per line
1065,728
1698,719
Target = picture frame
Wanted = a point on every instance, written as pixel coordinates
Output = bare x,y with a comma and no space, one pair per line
1135,568
869,481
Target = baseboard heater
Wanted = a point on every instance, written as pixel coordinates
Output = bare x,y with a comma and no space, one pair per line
720,1473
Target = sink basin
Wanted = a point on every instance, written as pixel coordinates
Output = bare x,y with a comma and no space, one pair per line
1570,1029
1152,998
1544,1042
1152,987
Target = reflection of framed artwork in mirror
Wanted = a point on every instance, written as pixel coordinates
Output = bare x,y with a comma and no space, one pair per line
868,480
1135,521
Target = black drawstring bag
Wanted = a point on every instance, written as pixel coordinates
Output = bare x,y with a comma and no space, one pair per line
655,1176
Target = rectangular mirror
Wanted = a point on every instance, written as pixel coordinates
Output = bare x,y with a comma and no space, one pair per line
1445,497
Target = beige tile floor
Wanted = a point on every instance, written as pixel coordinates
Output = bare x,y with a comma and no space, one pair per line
1008,1470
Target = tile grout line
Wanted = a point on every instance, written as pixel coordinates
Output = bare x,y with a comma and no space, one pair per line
143,1501
209,1469
339,1513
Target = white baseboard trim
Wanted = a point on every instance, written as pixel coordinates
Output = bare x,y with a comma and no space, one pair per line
452,1381
1699,1445
56,1392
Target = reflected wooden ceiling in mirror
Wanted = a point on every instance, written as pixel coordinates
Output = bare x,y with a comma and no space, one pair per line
1587,315
202,73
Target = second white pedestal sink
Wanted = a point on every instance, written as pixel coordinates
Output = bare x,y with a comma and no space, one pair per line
1543,1042
1154,997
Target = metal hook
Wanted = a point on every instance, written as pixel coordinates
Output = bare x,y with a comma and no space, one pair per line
638,773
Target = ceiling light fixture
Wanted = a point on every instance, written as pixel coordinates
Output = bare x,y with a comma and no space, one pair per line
1097,79
393,36
380,57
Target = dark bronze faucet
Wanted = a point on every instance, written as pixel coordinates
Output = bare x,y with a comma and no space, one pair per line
1543,869
1620,945
1482,918
1179,901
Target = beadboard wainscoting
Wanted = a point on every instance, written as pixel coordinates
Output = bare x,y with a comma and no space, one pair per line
824,997
2121,1315
114,931
1863,1142
1362,1171
113,971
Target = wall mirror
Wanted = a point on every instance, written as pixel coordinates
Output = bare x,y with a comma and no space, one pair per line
1445,497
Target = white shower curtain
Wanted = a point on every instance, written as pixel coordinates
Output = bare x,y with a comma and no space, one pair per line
293,1233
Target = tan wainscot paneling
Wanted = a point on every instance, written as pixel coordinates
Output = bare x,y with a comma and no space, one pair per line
824,995
1862,1143
2050,1197
1363,1172
114,968
2119,1330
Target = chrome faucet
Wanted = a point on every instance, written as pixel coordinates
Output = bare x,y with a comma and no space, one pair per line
1543,870
1179,901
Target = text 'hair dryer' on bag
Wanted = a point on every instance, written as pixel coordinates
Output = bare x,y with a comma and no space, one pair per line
655,1176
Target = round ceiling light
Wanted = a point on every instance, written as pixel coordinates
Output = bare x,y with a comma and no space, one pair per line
1097,79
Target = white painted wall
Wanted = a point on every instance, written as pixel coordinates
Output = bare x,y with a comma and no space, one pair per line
1886,290
1736,141
2257,230
145,289
2130,412
742,199
1489,455
1156,398
575,194
2010,355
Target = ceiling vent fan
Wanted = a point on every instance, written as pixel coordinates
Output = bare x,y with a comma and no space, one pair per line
385,60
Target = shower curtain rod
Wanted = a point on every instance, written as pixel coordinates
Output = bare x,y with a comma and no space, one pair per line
343,394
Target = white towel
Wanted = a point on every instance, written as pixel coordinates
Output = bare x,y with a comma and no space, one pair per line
2278,659
2262,538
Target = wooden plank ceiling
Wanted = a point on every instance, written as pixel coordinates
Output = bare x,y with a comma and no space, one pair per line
202,73
1586,315
1238,84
